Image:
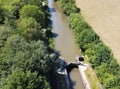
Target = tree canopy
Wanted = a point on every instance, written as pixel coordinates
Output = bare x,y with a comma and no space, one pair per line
25,61
25,80
26,10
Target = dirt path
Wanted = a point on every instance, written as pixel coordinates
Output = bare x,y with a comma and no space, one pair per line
104,17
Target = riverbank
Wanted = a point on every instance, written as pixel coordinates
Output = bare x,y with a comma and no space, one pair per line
89,73
99,55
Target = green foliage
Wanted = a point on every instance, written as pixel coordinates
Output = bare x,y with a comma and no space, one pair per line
112,83
77,22
102,53
2,12
29,28
100,56
68,6
113,67
20,80
53,56
18,54
28,23
21,3
28,56
5,32
74,19
86,38
26,10
24,57
34,2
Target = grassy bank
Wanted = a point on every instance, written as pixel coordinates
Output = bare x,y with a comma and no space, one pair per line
91,76
99,55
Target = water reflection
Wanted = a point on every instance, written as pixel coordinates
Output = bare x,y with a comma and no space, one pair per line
52,10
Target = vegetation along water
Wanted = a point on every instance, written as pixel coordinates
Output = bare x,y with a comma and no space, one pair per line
26,55
27,59
100,56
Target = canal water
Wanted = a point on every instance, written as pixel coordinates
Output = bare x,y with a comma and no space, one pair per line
64,42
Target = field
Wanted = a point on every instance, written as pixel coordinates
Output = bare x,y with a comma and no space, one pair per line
104,17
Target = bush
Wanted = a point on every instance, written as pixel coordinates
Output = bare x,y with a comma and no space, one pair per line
102,53
100,56
85,38
68,6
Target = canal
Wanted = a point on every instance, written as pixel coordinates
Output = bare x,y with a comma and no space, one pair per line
64,42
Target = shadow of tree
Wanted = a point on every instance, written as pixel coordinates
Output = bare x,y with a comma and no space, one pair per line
55,35
72,83
52,10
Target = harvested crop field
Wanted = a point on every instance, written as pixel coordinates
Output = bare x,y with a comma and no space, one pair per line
104,17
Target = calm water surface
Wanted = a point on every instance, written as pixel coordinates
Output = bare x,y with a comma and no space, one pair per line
64,41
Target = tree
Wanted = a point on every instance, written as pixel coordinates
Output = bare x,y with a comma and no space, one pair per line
24,58
39,58
70,7
14,45
77,23
2,14
35,2
16,5
85,38
25,80
30,29
5,32
17,53
31,11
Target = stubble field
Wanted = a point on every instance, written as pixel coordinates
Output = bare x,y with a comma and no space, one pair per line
104,17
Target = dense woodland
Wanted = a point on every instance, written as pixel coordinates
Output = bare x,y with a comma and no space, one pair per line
100,56
26,45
